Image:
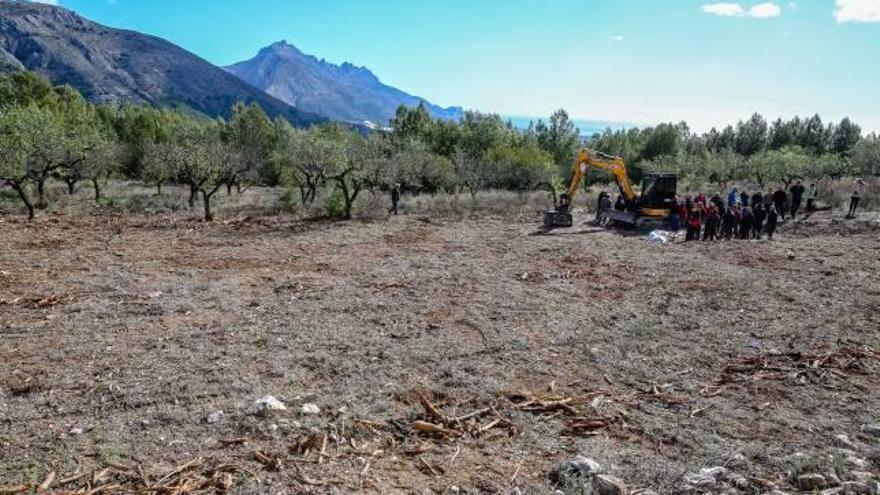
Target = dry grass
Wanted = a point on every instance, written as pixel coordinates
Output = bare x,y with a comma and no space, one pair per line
134,327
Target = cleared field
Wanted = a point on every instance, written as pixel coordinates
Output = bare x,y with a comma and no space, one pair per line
122,337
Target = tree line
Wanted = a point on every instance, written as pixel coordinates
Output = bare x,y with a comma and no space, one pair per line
52,132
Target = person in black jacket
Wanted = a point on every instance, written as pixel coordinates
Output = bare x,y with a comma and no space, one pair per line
744,198
780,199
395,199
772,218
745,223
757,199
797,195
758,216
728,223
711,224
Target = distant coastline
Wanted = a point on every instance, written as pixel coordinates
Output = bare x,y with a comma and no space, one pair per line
586,127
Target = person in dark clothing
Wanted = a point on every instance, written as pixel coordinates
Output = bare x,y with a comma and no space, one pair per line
744,198
693,225
757,199
797,195
620,204
395,199
728,223
780,200
710,231
758,217
745,223
717,202
603,200
772,218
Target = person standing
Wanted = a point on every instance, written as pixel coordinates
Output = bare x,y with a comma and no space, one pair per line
728,221
779,200
731,198
758,215
797,194
712,220
768,198
600,206
757,199
745,223
744,198
395,199
772,219
812,194
858,191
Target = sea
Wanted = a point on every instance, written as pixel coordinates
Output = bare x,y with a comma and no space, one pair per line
586,127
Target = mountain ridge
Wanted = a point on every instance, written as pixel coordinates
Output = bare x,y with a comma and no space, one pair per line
110,65
345,92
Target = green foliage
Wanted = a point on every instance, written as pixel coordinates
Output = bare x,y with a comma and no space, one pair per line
288,202
48,131
336,204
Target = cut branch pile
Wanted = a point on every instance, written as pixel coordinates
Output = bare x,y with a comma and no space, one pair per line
195,475
861,360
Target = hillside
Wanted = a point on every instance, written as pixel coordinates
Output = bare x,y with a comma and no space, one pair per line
114,65
342,92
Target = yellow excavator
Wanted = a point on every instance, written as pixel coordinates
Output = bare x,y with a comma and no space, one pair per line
652,206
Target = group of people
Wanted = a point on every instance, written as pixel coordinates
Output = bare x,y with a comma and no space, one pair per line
742,215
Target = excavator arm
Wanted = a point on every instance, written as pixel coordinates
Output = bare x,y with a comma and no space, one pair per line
614,164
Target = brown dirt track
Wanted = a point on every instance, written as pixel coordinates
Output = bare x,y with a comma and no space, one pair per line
133,329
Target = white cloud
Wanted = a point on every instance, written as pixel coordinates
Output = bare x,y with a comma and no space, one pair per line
725,9
857,11
765,10
617,37
759,11
47,2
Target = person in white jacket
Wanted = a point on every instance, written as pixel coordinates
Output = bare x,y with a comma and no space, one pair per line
858,191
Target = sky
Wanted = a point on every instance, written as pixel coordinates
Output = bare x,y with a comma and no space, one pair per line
634,61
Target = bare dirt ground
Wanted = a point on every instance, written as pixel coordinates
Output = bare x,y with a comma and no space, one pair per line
121,335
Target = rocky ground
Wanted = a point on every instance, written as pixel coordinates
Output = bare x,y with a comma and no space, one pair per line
158,354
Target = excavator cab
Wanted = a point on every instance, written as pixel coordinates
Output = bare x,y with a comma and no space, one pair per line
658,194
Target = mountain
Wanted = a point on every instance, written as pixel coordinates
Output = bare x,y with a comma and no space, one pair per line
115,65
342,92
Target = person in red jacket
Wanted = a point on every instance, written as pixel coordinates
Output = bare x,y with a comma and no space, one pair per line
695,221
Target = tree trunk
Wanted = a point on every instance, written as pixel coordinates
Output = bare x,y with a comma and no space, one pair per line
71,186
24,199
159,188
97,185
206,199
238,187
229,188
192,195
41,194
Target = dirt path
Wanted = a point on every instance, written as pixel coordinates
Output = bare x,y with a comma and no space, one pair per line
119,336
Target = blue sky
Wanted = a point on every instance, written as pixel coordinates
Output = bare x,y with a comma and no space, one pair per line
641,61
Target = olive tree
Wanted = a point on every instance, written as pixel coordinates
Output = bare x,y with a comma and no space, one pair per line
304,158
30,139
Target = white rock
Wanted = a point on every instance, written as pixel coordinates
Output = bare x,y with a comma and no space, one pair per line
213,417
76,431
310,408
269,403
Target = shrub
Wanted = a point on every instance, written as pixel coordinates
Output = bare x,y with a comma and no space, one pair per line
336,204
289,201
